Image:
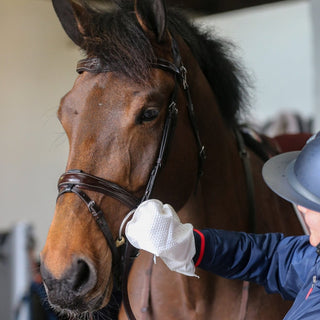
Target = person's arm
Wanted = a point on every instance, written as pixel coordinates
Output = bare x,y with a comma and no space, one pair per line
279,264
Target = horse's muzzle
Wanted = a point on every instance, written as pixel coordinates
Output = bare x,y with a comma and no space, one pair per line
69,290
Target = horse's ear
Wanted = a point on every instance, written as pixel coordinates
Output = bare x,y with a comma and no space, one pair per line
152,16
68,14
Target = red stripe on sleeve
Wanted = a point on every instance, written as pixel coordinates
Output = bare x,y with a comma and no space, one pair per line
202,246
309,292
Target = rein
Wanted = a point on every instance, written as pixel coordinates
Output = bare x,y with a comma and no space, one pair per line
75,181
264,150
244,155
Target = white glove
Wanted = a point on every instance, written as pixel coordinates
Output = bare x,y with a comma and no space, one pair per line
156,228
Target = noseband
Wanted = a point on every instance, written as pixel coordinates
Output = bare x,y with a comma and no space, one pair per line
75,181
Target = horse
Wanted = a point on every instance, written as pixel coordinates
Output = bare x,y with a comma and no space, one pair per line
154,113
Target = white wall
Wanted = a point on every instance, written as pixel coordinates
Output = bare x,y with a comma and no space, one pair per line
275,44
315,10
38,67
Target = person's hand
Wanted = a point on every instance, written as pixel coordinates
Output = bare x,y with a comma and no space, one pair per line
156,228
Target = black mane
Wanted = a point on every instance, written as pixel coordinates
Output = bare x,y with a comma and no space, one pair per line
117,40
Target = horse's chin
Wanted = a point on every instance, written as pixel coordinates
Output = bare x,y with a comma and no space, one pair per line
71,314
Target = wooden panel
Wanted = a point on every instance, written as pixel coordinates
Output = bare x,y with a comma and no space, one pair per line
215,6
206,6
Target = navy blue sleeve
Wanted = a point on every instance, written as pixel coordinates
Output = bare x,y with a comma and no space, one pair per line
279,263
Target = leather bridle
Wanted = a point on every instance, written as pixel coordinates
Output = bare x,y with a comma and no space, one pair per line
76,181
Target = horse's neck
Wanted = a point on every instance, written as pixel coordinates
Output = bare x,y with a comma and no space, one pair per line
222,186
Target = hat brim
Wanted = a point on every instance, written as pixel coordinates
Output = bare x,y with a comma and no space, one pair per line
275,174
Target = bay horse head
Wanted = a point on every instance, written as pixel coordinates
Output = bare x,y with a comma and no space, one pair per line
118,117
132,132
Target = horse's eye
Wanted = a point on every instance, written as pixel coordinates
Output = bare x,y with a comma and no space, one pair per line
148,115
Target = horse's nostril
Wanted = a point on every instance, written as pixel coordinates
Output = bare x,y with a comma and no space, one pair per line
69,290
81,276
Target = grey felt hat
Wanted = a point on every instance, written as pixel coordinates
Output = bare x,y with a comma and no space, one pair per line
295,176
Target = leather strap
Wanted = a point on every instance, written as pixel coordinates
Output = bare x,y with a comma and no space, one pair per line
181,73
164,146
75,181
244,155
97,214
128,257
90,182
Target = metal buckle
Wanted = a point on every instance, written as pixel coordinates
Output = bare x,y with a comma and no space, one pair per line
183,73
203,153
91,208
120,242
172,108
